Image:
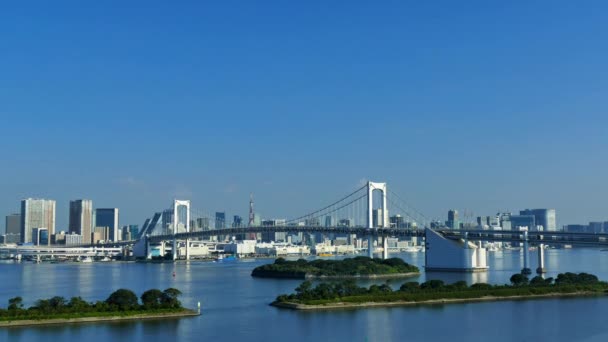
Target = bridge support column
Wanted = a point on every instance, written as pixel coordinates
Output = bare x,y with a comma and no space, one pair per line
370,246
148,252
385,247
187,249
174,249
541,259
526,263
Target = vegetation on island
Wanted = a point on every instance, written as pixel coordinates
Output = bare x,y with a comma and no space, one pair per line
349,292
350,267
121,302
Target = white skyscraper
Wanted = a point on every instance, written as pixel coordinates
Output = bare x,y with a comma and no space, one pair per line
36,213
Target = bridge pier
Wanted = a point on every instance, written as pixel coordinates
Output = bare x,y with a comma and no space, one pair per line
385,247
148,252
187,249
541,259
526,262
370,246
174,249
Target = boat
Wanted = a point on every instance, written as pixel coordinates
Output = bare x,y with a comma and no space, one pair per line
412,249
85,260
325,254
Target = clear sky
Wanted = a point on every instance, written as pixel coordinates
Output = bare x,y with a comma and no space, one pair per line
483,105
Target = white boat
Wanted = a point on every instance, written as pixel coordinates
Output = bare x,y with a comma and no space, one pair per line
412,249
85,259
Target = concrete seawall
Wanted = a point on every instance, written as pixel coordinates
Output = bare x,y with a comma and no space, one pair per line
54,321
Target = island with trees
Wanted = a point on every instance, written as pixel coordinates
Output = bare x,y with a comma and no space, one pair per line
122,304
346,294
358,267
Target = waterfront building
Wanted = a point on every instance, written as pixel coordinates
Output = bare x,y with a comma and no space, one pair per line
543,217
100,234
40,237
237,221
81,218
36,213
344,223
576,228
377,218
484,221
10,238
596,227
220,220
13,224
452,221
521,221
73,239
134,231
58,238
108,217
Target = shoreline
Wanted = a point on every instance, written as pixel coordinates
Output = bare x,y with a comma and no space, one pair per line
343,305
55,321
363,276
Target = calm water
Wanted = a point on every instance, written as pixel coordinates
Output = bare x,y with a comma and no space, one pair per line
235,305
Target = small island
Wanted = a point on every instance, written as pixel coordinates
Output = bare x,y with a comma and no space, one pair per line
122,304
347,294
358,267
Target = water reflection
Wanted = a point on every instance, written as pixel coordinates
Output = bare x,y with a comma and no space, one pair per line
235,305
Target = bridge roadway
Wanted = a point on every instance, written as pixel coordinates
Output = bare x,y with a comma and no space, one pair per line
291,229
547,238
58,250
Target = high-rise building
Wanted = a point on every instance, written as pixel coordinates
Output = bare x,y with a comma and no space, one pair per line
237,221
40,236
596,227
220,220
13,224
36,213
329,221
108,217
452,221
523,221
542,217
397,221
377,218
81,219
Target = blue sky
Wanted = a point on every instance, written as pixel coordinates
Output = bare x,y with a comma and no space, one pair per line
480,105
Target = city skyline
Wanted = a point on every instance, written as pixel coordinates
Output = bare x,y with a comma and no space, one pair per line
452,214
452,107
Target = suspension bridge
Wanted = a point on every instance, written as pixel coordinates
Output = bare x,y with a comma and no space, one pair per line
364,213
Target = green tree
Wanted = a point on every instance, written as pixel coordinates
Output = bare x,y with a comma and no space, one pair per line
434,284
459,285
304,290
538,281
123,299
169,298
15,303
410,286
57,303
152,298
78,304
519,279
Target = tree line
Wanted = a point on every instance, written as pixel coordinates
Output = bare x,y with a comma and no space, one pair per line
348,291
360,265
121,301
